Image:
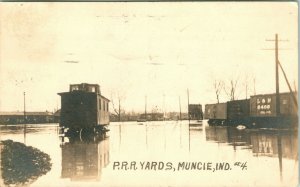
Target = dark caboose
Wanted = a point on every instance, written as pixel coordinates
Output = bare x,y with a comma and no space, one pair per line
84,108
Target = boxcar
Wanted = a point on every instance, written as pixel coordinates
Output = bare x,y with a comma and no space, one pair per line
231,113
263,110
238,112
83,107
265,105
259,111
216,113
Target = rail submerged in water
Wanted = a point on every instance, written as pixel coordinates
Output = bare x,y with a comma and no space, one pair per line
83,132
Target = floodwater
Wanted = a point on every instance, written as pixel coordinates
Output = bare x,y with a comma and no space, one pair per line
166,153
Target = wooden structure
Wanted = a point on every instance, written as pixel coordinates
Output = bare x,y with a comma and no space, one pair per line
7,118
84,108
195,111
258,111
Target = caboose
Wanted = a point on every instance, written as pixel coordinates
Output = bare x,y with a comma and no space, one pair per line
83,108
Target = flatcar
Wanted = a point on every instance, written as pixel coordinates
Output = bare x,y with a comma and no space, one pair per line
84,108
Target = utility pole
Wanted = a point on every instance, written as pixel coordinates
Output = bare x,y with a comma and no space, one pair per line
119,110
164,109
278,64
276,73
246,91
188,96
24,118
277,77
179,109
254,90
24,107
146,107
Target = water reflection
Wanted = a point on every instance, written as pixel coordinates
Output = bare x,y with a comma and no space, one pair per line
83,159
88,161
282,144
263,143
271,143
21,164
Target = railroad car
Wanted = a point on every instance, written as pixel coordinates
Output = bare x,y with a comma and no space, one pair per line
216,113
84,108
259,111
238,112
263,110
265,105
195,112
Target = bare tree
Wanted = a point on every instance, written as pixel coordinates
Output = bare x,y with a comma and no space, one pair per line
117,106
231,89
218,86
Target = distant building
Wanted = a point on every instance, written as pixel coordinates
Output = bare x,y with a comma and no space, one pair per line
56,116
157,116
195,111
147,117
29,117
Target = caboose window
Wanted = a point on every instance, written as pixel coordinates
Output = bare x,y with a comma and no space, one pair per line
74,88
107,106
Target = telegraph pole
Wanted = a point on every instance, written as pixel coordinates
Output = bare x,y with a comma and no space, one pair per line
188,96
164,106
277,77
179,109
276,73
119,110
24,118
146,107
24,107
254,86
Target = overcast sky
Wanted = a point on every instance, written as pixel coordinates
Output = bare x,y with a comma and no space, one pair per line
138,49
